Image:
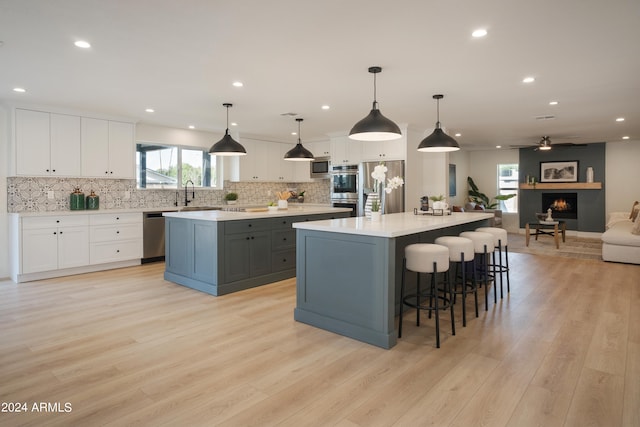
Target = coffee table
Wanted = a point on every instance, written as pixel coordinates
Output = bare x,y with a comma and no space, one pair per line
550,228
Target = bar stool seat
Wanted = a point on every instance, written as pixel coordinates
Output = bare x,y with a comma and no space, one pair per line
501,244
462,252
483,243
432,259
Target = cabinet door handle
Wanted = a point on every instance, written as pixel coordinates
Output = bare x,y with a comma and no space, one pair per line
252,237
47,170
284,239
61,232
54,233
53,170
117,231
248,237
118,251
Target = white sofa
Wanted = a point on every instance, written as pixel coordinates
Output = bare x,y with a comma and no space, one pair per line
619,244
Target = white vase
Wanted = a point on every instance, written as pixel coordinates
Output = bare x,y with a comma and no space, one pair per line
589,174
283,204
376,216
367,206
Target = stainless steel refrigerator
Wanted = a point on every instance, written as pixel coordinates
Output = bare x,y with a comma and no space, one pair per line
394,201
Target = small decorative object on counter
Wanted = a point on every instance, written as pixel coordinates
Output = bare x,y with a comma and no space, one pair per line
76,200
231,198
283,196
93,201
301,197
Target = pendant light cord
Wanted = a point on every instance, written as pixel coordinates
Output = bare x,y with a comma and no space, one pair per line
299,140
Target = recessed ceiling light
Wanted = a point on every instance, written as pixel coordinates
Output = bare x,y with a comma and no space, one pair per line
480,32
553,103
498,146
620,119
19,89
458,134
325,107
528,80
294,133
234,124
238,84
625,137
150,110
82,44
192,127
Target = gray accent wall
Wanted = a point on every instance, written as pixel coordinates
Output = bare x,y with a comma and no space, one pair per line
591,203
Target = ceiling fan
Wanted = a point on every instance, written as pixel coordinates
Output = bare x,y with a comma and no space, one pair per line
545,144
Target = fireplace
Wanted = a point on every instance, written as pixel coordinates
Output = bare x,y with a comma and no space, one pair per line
563,205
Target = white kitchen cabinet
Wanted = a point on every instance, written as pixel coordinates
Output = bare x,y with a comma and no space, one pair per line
115,237
384,150
265,162
345,151
108,149
319,148
47,144
54,242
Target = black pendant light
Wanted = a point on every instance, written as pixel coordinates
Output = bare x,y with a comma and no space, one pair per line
299,153
438,141
227,146
375,127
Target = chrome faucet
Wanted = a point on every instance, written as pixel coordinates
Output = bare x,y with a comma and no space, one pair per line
186,195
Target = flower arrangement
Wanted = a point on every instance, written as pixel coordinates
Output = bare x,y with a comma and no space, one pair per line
379,175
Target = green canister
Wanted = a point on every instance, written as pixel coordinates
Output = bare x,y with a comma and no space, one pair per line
93,201
76,200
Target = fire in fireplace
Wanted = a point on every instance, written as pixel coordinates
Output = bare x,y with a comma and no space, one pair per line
563,205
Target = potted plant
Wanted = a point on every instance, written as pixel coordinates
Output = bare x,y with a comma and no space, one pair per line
375,210
301,197
479,198
231,198
439,203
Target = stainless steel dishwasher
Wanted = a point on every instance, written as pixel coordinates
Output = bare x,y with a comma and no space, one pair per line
153,237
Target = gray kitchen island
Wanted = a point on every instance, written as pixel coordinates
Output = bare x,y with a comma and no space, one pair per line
220,252
349,270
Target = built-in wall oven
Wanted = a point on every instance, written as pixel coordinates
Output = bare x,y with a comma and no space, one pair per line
344,187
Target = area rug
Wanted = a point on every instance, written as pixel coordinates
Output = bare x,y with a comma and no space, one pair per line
574,247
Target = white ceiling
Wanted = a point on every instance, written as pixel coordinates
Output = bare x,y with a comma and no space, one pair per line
181,57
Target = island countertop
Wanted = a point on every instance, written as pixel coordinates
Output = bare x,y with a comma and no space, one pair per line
392,225
218,215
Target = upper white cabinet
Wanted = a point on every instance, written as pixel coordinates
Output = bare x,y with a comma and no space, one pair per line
47,144
107,149
385,150
319,149
265,162
345,151
53,144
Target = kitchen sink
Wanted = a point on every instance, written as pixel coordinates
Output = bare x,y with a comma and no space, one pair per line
199,208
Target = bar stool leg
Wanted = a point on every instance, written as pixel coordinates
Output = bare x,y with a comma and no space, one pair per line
434,289
506,261
451,295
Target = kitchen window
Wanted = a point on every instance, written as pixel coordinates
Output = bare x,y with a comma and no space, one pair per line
508,184
161,166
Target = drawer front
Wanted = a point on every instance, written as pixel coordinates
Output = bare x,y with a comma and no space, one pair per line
285,222
283,239
115,233
112,219
36,222
100,253
283,260
244,226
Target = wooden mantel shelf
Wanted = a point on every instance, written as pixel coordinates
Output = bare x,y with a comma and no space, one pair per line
562,186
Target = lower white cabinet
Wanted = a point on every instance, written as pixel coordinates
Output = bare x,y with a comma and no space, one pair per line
56,242
115,237
70,243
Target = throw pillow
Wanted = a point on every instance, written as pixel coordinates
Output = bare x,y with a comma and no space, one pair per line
634,211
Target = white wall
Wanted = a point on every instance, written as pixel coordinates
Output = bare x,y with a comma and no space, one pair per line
5,156
621,184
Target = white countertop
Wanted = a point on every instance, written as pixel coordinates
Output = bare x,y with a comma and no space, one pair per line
236,216
392,225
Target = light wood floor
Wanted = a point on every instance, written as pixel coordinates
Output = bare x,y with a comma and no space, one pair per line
127,348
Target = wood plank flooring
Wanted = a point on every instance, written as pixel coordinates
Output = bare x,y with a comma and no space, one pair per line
125,348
